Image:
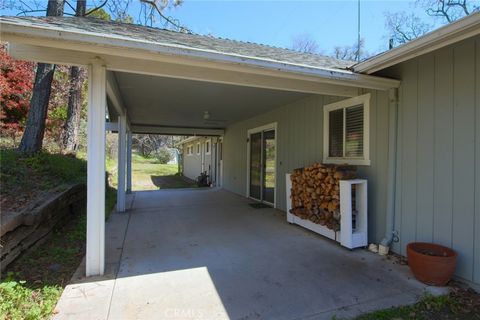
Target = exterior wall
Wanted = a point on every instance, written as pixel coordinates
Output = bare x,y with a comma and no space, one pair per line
300,143
208,161
438,160
192,164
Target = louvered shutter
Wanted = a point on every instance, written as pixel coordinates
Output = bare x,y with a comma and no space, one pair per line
354,131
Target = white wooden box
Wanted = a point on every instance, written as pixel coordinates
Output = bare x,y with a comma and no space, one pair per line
358,236
347,237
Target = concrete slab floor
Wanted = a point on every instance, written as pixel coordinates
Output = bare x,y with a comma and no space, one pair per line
206,254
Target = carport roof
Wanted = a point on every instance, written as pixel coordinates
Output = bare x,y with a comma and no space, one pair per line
143,34
166,80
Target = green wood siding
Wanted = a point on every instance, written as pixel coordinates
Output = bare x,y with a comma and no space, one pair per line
300,143
438,180
438,156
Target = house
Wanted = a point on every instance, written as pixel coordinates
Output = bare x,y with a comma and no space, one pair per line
202,155
408,118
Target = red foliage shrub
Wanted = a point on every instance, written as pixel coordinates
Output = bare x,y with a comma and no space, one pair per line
16,83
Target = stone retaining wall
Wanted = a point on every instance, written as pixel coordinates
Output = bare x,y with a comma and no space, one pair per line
23,230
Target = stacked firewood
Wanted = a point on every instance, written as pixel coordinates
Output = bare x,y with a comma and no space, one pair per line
315,193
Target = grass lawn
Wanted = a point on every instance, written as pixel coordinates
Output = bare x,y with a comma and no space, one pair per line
149,174
24,179
459,304
143,169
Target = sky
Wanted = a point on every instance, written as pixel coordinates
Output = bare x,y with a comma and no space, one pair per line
330,23
276,23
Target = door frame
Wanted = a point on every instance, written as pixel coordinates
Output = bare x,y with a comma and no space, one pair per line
267,127
220,161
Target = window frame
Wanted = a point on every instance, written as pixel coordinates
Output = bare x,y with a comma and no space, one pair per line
189,150
209,148
199,149
344,104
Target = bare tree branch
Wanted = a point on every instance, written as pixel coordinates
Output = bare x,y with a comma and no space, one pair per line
153,4
355,52
450,10
404,27
68,4
119,10
96,8
304,43
29,11
26,5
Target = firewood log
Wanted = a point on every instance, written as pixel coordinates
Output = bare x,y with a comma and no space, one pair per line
315,193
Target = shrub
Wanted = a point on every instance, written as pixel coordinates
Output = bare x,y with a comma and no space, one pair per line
163,156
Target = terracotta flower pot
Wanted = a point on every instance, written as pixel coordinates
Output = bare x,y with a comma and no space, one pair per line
431,263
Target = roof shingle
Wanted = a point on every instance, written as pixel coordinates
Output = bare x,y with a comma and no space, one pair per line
190,41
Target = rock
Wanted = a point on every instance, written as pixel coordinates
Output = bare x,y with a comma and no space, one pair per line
55,267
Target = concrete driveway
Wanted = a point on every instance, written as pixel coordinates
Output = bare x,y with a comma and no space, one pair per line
206,254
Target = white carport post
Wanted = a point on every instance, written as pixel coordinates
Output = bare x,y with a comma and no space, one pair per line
122,153
129,161
95,257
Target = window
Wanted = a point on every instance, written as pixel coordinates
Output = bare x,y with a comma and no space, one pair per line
207,147
346,131
198,148
189,150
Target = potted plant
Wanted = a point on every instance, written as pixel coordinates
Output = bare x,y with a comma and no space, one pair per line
431,264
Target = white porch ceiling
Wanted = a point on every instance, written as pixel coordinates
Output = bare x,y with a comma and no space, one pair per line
171,102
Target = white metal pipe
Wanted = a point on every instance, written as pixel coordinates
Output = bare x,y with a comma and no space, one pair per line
129,162
392,168
95,256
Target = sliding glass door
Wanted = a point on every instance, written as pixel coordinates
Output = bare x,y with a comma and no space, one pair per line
269,166
256,165
262,166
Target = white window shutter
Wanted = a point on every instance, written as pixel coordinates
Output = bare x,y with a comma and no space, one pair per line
354,131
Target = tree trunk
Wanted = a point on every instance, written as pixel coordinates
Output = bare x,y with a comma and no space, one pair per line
55,8
32,138
81,8
72,123
37,114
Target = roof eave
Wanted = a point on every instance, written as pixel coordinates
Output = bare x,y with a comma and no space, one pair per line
446,35
187,140
346,76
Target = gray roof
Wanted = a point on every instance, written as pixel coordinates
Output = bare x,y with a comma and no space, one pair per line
198,42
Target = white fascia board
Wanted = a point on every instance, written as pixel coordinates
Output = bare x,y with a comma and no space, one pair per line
184,70
444,36
189,139
114,94
177,131
93,41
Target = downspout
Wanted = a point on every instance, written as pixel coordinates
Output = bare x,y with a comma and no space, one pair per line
392,172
